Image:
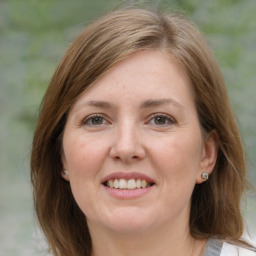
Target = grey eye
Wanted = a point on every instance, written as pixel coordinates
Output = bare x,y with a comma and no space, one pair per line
160,120
97,120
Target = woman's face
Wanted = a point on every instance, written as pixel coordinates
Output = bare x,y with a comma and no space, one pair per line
133,147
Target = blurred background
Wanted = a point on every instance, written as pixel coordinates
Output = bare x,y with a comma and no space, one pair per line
35,34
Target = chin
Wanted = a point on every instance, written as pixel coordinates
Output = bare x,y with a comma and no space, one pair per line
129,220
128,228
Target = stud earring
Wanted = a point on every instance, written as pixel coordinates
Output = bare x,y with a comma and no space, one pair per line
65,172
205,175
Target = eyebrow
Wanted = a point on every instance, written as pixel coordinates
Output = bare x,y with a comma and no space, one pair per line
99,104
146,104
158,102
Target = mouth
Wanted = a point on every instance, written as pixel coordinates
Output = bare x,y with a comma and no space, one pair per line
127,181
129,184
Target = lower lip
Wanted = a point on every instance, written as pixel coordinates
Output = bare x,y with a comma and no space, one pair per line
128,193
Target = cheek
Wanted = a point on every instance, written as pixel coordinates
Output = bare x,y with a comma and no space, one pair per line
84,159
177,152
83,156
177,160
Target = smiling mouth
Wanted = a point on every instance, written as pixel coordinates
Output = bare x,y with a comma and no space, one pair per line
129,184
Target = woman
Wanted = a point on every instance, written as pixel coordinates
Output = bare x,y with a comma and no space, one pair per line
136,151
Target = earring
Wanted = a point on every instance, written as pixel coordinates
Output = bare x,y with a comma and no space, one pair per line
205,175
65,172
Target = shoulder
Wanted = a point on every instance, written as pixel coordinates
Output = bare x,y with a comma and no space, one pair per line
235,250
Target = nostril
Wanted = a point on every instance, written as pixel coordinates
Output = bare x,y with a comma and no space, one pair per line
125,157
117,158
127,149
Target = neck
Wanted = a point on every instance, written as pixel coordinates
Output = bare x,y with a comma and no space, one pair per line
162,242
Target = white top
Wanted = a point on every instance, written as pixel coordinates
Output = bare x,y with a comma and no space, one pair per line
230,250
217,247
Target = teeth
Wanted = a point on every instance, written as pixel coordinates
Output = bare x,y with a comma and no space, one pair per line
111,183
116,184
143,184
127,184
122,184
138,183
131,184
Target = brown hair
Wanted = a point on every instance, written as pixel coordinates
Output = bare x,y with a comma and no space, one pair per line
215,207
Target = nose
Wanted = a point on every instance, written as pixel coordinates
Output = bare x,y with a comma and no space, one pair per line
127,144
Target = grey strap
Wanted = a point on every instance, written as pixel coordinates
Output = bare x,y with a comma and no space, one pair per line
213,247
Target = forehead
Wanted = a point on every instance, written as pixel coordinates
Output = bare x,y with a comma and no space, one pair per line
144,74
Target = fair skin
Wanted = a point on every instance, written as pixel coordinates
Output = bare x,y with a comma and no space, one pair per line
138,122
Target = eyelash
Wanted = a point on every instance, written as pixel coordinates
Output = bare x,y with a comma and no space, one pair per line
88,120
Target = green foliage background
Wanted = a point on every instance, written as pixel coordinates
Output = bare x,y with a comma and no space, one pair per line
35,34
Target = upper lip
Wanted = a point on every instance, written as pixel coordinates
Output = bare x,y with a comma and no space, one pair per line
127,176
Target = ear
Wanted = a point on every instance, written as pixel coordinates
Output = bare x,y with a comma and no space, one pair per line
209,155
65,175
64,172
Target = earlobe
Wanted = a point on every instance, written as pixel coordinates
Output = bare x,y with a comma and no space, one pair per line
65,175
209,157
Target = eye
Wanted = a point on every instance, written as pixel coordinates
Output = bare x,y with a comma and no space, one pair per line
161,120
95,120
